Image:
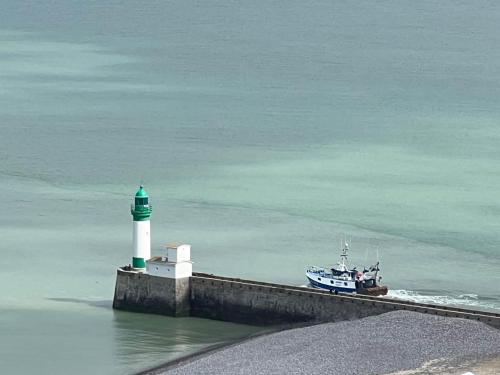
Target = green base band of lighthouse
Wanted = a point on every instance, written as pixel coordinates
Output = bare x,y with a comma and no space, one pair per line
138,262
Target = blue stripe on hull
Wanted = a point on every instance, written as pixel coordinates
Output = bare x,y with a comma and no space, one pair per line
330,287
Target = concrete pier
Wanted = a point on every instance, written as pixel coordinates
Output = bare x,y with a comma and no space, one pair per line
253,302
141,292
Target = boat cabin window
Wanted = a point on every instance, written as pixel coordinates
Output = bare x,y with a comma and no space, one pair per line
345,283
331,281
319,278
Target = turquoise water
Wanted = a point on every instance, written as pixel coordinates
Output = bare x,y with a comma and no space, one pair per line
263,132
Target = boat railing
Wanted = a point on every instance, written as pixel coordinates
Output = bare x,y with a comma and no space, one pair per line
323,273
319,271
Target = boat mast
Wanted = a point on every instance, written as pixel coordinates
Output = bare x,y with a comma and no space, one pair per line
343,256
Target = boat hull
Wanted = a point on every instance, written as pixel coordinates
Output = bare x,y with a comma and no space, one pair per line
332,288
379,290
374,291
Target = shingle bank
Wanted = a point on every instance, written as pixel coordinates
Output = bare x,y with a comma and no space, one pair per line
394,341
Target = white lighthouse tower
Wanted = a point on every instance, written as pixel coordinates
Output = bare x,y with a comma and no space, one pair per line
141,211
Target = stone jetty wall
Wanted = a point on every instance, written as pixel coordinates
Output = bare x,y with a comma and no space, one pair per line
247,301
140,292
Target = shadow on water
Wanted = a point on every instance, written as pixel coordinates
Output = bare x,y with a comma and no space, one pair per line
143,341
164,339
107,304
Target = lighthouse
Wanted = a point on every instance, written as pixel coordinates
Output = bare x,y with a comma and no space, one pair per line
141,211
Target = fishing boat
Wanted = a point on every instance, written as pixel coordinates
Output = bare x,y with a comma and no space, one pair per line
343,279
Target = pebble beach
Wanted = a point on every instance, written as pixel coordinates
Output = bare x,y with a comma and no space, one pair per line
399,342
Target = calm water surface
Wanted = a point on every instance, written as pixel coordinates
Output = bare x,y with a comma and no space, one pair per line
263,132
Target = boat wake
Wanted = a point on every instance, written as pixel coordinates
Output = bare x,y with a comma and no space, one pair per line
461,300
465,300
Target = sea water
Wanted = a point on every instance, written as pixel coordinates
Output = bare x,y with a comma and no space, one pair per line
263,132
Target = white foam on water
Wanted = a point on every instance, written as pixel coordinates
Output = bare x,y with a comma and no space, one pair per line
460,300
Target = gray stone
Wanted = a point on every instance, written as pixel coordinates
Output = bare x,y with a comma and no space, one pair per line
135,291
394,341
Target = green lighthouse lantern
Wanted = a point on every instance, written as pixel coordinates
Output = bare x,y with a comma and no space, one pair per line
141,210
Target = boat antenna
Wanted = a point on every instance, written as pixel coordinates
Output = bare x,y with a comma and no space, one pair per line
345,249
376,266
